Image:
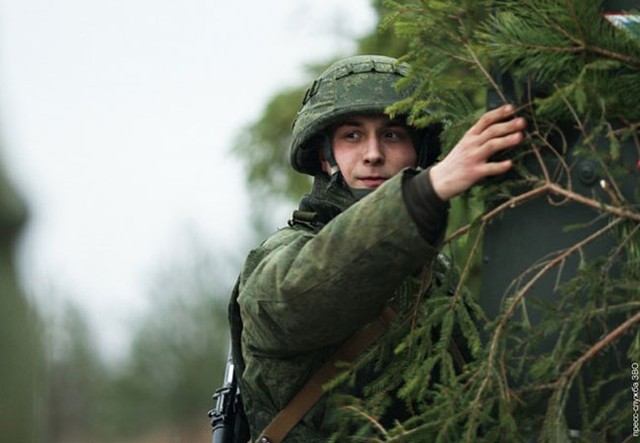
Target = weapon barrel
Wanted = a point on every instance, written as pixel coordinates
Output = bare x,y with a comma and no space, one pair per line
222,415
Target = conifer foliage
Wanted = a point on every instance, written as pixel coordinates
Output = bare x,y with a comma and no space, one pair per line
544,364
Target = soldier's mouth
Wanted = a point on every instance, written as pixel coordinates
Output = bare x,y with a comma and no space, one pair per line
372,182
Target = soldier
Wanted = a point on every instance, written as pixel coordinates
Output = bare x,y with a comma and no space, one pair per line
374,219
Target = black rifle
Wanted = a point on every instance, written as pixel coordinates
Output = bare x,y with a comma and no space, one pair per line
228,420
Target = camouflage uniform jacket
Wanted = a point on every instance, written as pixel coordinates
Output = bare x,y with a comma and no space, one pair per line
309,287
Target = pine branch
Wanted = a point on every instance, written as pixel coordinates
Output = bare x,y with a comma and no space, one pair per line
623,307
576,69
626,240
633,61
593,351
585,135
551,264
613,210
502,324
576,20
467,267
511,203
486,74
375,423
555,189
561,386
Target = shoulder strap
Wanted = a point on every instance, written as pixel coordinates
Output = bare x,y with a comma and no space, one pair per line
312,391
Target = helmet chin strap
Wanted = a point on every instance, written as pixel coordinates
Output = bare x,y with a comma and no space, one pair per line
327,149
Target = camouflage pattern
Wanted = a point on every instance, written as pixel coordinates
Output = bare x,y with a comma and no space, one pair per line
356,85
303,292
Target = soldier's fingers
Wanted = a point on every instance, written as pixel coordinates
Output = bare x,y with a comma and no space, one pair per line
496,168
491,117
501,129
501,143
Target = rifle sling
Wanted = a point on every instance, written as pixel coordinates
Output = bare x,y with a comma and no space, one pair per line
312,390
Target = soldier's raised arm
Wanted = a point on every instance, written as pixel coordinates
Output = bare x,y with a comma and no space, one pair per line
468,162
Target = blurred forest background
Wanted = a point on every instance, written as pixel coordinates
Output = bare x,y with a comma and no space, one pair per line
55,385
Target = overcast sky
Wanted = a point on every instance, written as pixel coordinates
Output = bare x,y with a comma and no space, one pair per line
117,118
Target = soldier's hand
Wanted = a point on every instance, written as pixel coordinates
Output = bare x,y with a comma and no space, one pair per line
467,163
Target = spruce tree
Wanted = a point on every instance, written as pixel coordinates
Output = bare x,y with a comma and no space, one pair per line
552,351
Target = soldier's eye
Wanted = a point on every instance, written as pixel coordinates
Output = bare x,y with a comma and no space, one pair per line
392,135
396,134
351,134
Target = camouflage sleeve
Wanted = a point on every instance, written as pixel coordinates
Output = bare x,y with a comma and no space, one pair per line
304,291
427,210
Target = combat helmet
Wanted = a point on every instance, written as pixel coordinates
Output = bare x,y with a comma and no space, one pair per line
362,84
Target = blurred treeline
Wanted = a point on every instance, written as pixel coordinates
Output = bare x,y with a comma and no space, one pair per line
160,390
55,384
21,353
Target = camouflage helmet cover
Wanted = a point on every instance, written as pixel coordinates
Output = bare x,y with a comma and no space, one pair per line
358,84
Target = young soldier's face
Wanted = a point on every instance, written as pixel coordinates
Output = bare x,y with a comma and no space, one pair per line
370,149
